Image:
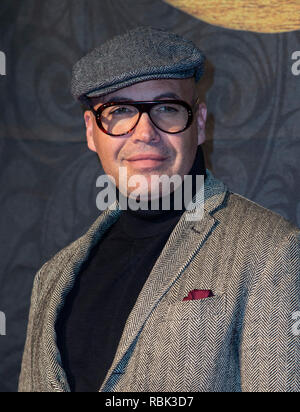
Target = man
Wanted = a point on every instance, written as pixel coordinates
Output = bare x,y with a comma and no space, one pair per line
150,300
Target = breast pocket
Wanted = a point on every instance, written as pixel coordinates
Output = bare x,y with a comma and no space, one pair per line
187,345
197,309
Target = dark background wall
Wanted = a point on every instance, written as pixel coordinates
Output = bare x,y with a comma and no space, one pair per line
48,177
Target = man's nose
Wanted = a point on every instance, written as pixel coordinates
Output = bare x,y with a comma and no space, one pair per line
146,130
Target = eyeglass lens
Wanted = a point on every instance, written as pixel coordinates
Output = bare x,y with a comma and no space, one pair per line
120,119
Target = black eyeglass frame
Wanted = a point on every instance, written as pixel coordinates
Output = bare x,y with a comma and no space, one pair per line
143,107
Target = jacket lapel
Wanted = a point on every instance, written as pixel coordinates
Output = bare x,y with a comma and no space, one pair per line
187,239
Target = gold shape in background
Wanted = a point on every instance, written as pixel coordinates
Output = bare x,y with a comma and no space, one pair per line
262,16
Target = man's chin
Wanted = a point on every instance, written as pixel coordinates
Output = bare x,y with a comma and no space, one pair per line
144,187
144,195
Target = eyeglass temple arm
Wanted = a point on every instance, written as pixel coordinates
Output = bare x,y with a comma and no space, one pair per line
86,101
197,101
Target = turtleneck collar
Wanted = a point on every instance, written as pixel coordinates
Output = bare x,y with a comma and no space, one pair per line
198,168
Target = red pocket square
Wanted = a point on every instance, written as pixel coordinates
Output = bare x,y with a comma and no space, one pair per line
197,294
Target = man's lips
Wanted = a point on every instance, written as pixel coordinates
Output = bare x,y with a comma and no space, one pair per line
146,157
146,161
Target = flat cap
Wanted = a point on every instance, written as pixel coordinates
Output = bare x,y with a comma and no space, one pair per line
142,54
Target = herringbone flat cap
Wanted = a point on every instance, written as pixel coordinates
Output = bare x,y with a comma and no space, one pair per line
139,55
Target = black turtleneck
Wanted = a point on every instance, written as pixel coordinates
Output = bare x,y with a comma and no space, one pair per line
95,311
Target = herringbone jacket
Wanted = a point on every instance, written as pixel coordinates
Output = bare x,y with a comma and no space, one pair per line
242,339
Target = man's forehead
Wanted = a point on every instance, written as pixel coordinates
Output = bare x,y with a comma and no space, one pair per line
153,90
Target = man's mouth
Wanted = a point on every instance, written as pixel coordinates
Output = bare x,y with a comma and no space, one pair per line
146,160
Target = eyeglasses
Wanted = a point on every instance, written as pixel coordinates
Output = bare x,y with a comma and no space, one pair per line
119,119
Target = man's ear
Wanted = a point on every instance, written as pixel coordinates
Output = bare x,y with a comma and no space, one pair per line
89,124
201,122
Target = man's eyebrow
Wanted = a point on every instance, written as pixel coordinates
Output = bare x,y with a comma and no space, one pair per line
127,99
170,95
118,99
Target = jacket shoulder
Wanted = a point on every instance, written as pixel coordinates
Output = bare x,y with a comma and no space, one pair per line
49,270
78,249
258,219
64,254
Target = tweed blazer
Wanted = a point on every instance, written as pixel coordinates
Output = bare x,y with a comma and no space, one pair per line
243,339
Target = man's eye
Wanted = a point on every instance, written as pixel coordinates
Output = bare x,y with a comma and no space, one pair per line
167,109
121,110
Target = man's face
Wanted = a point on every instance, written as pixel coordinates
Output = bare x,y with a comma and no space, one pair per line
177,150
